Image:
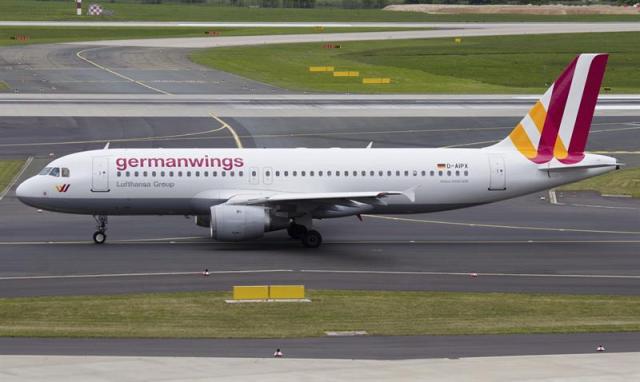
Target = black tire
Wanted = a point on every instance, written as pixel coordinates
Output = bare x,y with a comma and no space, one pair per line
312,239
99,237
296,231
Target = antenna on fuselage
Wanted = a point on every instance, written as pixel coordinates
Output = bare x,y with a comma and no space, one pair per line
106,147
370,145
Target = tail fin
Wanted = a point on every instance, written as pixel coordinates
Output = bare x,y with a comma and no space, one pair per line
558,124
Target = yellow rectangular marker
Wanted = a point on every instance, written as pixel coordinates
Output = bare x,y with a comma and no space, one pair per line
346,74
284,292
321,68
257,292
373,80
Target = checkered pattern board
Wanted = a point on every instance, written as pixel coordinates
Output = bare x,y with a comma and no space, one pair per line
95,10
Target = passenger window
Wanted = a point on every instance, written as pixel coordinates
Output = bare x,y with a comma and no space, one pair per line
118,174
397,173
153,174
346,173
144,174
328,173
310,173
380,173
268,173
179,174
406,173
223,173
128,174
432,173
214,173
466,173
424,173
240,173
457,173
171,174
355,173
162,174
388,173
198,173
278,173
294,173
448,173
65,172
320,173
302,173
55,172
372,173
439,173
337,173
232,173
205,174
286,173
188,173
136,174
253,173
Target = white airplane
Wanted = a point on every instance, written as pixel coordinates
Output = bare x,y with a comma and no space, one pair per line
242,193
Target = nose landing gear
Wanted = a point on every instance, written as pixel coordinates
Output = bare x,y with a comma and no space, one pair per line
99,237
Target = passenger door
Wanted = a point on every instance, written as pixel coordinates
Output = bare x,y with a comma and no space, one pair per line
497,175
100,174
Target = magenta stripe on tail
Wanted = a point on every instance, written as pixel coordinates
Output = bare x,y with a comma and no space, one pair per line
554,114
587,108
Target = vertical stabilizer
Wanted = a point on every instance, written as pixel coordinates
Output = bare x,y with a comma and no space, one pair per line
558,124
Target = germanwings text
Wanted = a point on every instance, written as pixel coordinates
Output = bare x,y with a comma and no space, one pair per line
226,163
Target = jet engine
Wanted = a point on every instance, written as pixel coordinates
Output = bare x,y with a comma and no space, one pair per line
237,223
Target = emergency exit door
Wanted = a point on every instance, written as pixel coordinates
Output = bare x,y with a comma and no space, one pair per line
100,175
497,176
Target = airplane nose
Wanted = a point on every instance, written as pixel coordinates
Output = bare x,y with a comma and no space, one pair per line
25,190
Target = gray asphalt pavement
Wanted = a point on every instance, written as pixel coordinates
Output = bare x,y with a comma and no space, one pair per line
525,244
383,348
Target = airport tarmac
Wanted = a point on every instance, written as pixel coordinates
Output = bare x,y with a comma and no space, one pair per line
583,244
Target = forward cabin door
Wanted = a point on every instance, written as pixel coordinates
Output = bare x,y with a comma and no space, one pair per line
100,175
497,175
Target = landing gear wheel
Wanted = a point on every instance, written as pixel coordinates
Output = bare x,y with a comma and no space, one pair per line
312,239
99,237
296,231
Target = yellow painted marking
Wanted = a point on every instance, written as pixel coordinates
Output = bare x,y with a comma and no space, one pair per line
376,80
457,40
140,139
231,130
538,115
559,150
257,292
79,55
286,291
346,74
321,68
522,142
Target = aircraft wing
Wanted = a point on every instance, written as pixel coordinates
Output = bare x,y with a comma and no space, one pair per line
322,197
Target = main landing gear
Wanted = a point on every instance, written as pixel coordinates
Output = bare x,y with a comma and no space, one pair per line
99,237
309,238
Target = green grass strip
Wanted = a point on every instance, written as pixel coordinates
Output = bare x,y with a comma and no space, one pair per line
3,86
65,10
622,182
8,170
477,65
42,35
206,315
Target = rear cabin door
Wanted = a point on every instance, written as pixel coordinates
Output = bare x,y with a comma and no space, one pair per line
497,176
100,174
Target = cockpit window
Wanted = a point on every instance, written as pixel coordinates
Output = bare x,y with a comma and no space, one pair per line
65,172
55,172
45,171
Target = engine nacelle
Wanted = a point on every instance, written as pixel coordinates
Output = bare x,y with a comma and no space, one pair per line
237,223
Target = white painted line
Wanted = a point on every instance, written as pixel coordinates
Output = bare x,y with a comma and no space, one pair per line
79,55
553,199
148,274
501,226
467,274
16,177
348,333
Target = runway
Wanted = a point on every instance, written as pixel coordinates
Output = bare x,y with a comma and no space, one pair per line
586,244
